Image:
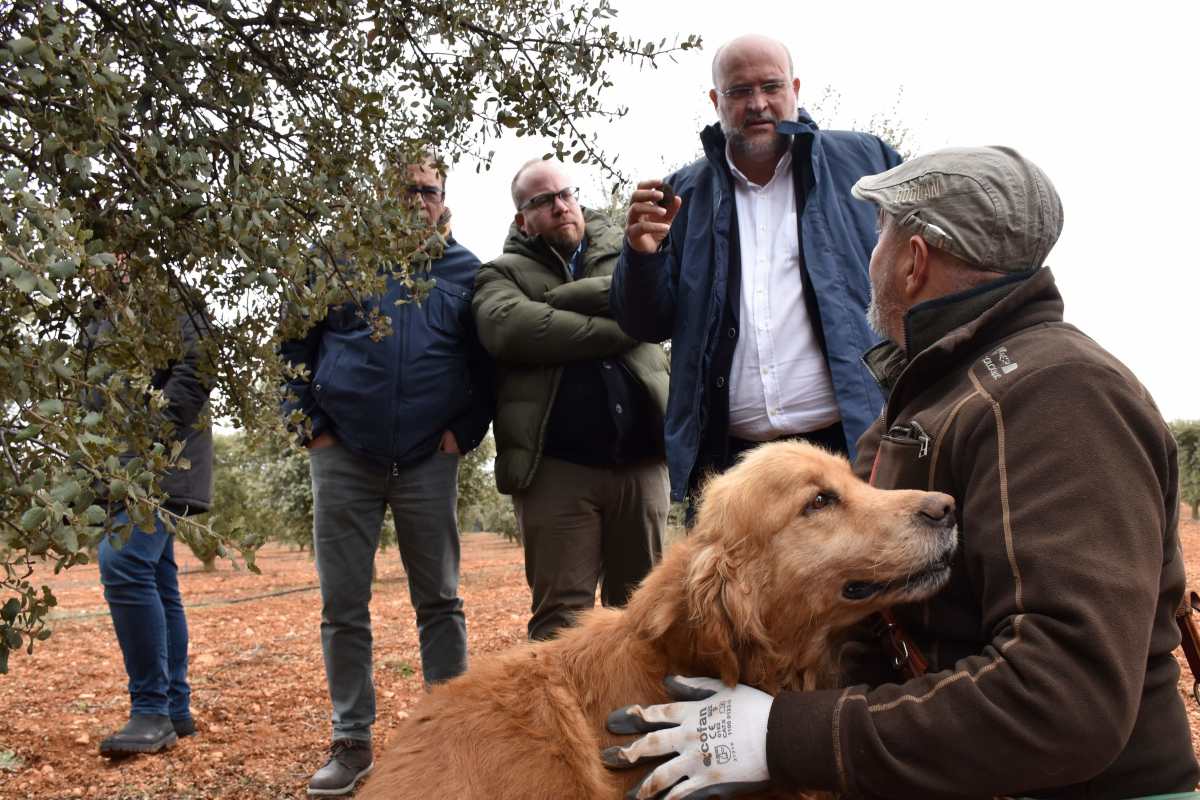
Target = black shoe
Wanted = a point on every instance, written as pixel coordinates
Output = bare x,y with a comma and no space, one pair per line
349,760
144,733
184,727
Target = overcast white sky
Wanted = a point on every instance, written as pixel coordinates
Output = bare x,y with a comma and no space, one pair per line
1103,96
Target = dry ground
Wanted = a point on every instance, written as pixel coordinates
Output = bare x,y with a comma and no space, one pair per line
258,685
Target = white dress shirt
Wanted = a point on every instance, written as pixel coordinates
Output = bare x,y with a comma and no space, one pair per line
779,382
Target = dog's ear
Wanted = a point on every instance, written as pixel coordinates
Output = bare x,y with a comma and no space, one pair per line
725,625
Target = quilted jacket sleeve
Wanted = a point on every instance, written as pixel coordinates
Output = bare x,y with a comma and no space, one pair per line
516,329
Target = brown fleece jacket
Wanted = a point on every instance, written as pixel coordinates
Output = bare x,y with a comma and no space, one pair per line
1051,666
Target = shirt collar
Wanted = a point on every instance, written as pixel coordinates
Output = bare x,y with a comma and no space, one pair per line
784,165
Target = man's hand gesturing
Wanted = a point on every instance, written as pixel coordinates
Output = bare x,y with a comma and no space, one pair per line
648,222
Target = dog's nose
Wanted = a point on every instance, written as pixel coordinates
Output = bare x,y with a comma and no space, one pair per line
938,508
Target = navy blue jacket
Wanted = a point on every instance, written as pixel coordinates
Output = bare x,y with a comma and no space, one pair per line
390,400
679,293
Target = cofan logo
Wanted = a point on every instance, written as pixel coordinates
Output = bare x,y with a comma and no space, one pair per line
705,754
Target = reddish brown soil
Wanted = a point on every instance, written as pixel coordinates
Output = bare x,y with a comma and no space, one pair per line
258,684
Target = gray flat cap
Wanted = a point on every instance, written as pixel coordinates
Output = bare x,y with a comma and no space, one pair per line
987,205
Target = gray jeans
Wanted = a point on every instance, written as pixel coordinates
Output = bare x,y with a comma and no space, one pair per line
349,497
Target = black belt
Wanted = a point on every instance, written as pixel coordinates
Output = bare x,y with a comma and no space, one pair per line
831,437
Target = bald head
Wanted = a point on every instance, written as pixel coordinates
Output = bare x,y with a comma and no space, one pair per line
749,46
519,179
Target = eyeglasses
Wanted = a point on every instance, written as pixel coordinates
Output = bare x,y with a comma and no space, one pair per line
432,192
546,199
769,89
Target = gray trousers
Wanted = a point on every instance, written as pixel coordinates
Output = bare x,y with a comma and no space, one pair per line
583,525
349,497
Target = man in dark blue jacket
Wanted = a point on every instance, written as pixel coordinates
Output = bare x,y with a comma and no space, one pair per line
389,420
755,267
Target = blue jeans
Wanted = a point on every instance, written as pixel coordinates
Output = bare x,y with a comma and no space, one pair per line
141,587
350,494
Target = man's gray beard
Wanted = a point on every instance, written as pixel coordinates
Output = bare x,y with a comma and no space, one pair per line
875,317
739,145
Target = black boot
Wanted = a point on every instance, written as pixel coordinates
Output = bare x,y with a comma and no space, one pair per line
349,760
144,733
184,726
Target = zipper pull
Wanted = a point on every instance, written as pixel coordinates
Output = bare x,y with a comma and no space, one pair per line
922,438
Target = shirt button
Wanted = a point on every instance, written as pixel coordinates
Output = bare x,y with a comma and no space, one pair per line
766,370
606,365
720,382
317,387
618,409
732,333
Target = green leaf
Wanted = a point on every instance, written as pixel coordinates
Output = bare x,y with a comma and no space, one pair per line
118,490
9,611
68,538
66,491
25,281
33,76
33,517
28,432
14,179
63,269
21,45
51,407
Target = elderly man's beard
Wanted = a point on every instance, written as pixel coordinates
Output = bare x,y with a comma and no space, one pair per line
882,308
739,145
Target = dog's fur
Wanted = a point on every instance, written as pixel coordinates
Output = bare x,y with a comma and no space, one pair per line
754,595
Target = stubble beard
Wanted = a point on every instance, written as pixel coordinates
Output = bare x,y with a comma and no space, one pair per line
881,310
875,317
741,146
564,242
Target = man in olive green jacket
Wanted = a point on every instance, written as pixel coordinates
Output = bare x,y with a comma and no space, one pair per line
579,405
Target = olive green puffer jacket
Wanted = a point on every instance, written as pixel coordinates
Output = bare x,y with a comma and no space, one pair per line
534,318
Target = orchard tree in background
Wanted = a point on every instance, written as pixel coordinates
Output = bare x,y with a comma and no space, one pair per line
261,492
1187,436
247,153
481,507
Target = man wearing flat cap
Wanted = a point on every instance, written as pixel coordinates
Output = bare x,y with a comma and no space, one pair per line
1050,667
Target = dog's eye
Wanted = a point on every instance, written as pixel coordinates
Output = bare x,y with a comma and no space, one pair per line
822,500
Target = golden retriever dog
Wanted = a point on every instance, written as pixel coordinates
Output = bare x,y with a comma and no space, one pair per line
789,550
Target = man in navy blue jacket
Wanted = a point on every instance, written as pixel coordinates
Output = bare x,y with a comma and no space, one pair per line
389,420
755,267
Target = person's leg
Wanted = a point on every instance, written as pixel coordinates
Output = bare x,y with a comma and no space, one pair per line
128,573
348,506
635,519
559,520
423,498
179,692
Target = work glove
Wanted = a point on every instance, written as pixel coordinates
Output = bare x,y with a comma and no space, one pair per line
718,736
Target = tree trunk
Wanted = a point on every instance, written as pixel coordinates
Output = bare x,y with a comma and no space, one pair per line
1196,509
210,564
